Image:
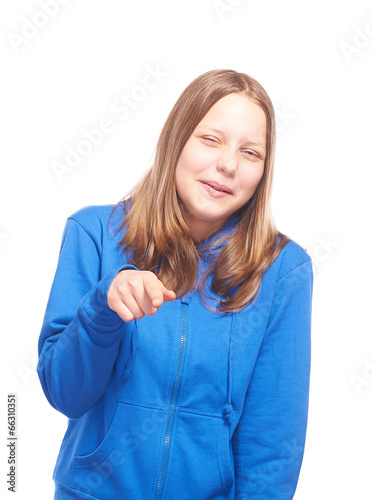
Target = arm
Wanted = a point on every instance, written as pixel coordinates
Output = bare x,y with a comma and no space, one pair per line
80,334
269,440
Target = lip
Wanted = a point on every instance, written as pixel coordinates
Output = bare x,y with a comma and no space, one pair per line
218,186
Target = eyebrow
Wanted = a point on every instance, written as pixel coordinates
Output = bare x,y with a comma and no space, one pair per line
252,143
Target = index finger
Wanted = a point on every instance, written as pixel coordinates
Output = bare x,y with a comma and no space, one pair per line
158,293
155,293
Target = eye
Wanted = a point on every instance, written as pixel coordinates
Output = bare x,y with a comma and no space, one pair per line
210,139
251,153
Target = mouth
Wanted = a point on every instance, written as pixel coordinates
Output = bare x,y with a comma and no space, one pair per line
217,187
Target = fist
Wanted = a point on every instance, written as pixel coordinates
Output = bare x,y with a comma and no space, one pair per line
134,294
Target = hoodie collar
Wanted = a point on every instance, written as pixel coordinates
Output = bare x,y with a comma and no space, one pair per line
227,230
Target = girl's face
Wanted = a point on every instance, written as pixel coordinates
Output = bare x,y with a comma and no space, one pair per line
221,164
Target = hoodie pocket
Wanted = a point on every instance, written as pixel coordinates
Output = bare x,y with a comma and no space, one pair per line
127,457
225,455
201,464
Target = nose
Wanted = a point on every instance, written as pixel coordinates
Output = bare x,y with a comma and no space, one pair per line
227,163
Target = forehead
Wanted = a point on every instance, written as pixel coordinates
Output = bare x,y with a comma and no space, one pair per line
237,115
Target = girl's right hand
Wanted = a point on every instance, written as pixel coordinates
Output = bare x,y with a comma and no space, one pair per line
134,294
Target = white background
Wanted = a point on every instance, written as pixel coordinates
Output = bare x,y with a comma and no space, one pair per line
314,60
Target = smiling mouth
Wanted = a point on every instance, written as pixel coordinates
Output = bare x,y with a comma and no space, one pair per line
217,187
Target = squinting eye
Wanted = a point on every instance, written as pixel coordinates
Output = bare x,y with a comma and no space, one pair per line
250,153
209,139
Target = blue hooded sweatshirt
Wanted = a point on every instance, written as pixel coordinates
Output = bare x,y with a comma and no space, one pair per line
187,404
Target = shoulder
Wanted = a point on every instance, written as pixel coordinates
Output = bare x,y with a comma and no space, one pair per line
97,221
92,213
103,223
292,256
92,218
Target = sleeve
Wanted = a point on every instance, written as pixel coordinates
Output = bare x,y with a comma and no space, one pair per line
80,334
269,440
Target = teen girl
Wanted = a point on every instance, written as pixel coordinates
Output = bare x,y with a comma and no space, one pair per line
176,338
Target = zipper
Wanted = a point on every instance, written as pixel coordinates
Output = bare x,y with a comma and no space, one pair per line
172,405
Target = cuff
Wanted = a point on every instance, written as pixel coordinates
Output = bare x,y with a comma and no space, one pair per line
94,306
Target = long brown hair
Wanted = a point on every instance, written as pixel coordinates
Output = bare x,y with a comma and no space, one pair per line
157,235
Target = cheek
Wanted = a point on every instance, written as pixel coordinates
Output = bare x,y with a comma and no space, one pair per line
181,175
184,173
251,180
193,160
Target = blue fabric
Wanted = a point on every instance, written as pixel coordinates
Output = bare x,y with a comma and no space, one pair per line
185,404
